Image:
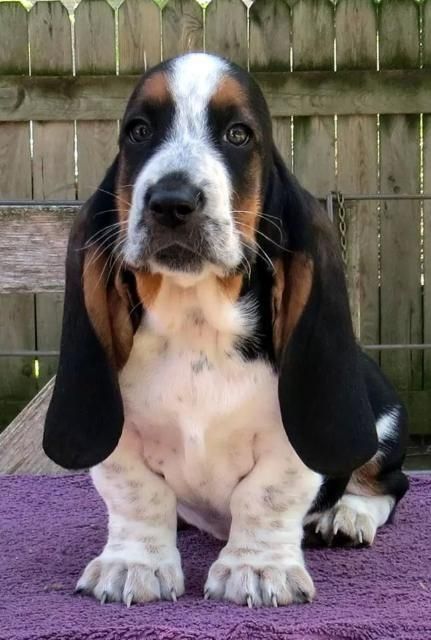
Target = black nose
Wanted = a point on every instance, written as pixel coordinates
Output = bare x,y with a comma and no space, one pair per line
172,204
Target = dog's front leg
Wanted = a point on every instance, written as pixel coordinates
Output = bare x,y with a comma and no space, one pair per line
140,561
262,562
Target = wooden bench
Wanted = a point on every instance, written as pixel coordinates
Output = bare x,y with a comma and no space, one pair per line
33,243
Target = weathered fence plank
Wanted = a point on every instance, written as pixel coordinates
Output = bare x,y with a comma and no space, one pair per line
427,209
95,52
21,443
427,251
53,156
33,249
401,303
314,137
298,94
15,161
356,33
182,27
17,331
282,133
49,312
17,384
139,36
270,42
270,35
53,146
226,30
418,404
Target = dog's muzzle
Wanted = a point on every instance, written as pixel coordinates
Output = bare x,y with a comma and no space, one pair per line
174,218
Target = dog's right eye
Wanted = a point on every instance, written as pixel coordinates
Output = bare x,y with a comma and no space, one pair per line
139,131
238,135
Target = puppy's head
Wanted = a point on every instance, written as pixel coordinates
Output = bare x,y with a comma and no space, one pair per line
194,142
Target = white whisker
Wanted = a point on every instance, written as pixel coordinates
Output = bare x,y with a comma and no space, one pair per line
247,226
115,195
264,217
256,249
102,233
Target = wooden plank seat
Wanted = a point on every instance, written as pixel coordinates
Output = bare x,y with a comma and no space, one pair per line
33,243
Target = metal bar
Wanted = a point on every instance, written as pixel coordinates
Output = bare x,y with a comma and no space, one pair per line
328,199
386,347
52,354
388,196
33,353
330,206
383,196
28,204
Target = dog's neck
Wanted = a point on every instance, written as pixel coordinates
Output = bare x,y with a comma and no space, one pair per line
202,312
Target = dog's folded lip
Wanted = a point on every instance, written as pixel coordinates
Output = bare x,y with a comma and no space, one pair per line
179,257
176,255
177,250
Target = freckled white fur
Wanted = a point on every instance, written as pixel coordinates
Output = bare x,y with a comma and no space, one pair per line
193,79
140,561
185,384
203,432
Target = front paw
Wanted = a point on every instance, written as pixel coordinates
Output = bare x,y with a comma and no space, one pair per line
120,580
259,583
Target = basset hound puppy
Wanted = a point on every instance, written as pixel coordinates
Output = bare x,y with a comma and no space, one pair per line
208,365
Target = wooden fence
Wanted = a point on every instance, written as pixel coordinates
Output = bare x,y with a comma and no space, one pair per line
349,87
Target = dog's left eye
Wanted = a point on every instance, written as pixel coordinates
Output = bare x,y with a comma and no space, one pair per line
238,135
139,131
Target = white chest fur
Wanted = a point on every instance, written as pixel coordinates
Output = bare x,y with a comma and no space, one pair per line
196,404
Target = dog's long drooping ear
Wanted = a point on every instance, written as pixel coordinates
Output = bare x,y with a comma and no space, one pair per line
323,399
85,416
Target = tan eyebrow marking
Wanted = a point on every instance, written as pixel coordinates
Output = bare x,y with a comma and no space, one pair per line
156,88
229,92
246,206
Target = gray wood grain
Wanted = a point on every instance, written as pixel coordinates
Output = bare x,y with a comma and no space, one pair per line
357,170
400,292
95,53
103,97
21,443
33,247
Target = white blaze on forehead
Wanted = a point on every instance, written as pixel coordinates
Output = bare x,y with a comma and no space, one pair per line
193,81
199,72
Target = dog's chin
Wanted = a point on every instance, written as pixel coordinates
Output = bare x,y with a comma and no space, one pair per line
182,263
178,259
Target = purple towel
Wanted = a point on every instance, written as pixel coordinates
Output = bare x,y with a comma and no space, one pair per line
51,527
